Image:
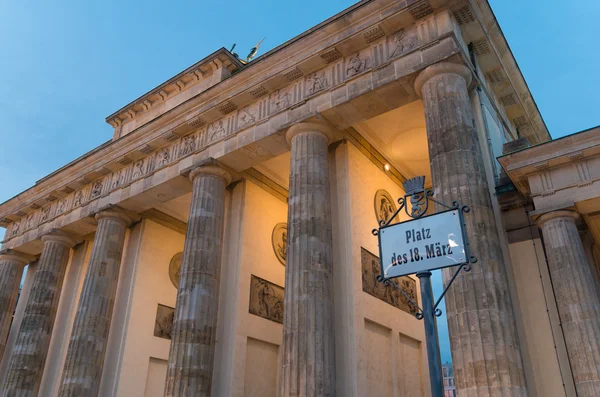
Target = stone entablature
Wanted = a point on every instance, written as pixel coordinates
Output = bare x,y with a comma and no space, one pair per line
559,173
340,81
197,78
327,75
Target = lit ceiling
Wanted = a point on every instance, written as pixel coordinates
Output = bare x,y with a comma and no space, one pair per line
401,137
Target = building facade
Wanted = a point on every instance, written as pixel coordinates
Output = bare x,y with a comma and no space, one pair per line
220,243
448,377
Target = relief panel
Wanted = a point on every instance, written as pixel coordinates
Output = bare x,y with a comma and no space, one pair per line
371,269
402,42
266,299
163,325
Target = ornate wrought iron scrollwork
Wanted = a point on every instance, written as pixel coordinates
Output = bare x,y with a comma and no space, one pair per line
387,282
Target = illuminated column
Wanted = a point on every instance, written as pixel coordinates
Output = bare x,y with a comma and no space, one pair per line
192,356
85,356
576,298
31,348
308,334
11,271
485,348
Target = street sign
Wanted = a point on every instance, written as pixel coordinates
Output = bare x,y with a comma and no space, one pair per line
423,244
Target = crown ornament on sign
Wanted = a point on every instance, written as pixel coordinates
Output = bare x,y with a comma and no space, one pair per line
414,185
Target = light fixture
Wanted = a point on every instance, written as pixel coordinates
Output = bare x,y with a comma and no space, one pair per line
386,167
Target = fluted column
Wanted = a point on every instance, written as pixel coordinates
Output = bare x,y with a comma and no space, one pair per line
85,356
191,359
308,330
11,271
576,298
31,348
485,349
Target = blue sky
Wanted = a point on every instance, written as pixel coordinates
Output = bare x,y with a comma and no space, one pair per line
66,65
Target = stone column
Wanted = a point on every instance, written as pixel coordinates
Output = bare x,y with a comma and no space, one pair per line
576,298
11,271
85,356
29,354
485,348
191,359
308,329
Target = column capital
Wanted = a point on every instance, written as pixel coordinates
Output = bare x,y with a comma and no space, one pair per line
557,214
16,256
59,237
212,169
115,213
442,68
309,127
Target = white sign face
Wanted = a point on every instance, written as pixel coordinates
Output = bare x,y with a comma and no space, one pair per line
422,244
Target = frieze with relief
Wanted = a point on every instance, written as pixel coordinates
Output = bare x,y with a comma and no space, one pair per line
163,324
266,299
371,269
304,86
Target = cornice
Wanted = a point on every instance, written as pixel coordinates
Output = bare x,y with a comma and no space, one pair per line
261,79
502,72
183,81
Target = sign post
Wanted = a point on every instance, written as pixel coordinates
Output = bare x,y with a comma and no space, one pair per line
418,246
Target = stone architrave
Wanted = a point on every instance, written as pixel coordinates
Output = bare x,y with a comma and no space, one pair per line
85,356
485,348
31,348
191,359
308,331
576,298
11,271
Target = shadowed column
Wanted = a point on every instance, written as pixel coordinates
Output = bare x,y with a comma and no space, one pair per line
31,348
191,359
576,298
483,336
308,335
11,271
85,356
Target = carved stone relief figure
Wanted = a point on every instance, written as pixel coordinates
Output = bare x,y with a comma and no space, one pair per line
216,131
371,269
163,325
175,269
78,198
246,117
188,145
138,169
279,241
282,99
384,205
16,228
45,213
61,206
163,157
266,299
402,42
96,189
118,179
356,64
30,221
316,82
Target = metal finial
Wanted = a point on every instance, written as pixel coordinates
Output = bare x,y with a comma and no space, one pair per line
414,185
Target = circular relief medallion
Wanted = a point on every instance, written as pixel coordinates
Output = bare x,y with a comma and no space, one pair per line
384,205
279,241
175,269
